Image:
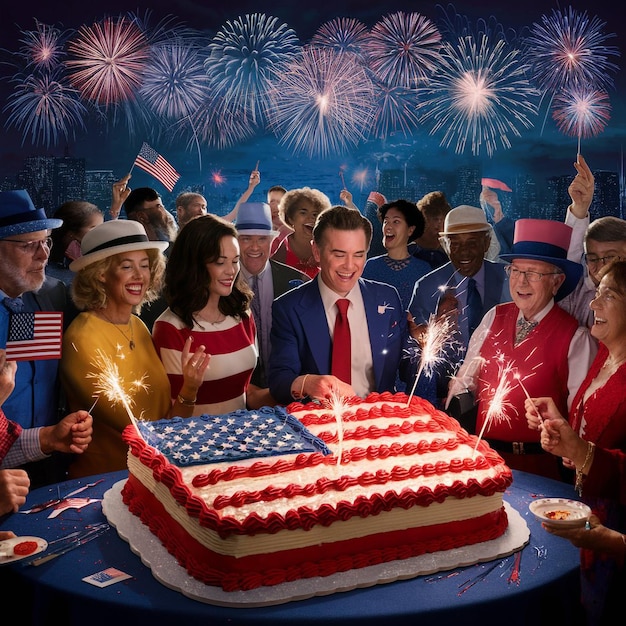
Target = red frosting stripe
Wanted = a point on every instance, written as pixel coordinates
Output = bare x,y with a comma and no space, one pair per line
251,572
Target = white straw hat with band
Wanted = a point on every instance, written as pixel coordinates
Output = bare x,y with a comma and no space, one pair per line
114,237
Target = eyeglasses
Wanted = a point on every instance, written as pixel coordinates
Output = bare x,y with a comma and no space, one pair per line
591,259
531,277
31,247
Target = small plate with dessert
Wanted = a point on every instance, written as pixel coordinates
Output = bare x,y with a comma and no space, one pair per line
560,512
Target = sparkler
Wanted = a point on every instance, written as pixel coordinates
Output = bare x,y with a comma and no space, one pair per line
432,342
109,383
518,377
338,405
498,404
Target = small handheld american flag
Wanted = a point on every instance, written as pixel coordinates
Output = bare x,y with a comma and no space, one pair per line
31,336
152,162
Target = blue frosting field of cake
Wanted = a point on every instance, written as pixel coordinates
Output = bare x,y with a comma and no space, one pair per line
242,434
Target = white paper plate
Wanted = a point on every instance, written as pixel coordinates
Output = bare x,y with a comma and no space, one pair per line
7,548
560,512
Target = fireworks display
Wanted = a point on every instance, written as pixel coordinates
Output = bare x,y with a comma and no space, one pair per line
480,96
45,109
245,57
474,86
107,60
343,35
403,49
43,48
568,49
581,113
316,109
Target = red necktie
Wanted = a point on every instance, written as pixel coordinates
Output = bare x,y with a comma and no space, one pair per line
342,356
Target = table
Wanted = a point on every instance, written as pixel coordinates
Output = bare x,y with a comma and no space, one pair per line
548,579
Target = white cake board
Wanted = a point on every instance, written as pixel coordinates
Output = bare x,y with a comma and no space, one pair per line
167,571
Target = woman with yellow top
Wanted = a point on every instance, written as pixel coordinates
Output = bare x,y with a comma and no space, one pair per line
108,345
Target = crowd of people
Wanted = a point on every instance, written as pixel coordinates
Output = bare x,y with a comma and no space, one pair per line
283,299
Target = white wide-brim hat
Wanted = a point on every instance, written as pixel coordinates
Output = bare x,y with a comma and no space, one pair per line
114,237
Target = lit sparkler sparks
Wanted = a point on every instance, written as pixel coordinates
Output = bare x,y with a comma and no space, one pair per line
499,403
338,405
432,343
109,383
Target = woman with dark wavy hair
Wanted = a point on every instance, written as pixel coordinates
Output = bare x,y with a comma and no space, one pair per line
209,301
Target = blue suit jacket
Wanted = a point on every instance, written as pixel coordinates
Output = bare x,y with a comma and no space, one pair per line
301,342
427,290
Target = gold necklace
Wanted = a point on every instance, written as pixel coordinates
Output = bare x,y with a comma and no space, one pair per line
220,318
131,341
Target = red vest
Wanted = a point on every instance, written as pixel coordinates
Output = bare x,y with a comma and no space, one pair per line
540,362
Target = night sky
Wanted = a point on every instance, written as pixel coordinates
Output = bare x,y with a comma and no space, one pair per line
108,144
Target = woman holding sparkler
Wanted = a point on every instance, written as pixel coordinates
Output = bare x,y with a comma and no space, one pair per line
209,303
109,361
593,441
299,209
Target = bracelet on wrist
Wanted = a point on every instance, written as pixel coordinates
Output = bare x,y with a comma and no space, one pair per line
301,395
582,471
185,401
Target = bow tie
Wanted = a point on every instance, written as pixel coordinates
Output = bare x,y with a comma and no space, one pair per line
523,329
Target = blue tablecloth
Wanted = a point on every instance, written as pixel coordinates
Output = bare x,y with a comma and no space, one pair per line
547,588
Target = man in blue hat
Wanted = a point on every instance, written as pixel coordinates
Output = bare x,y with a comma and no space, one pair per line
267,278
24,250
529,346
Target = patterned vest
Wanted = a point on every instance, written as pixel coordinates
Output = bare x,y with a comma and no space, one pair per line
540,362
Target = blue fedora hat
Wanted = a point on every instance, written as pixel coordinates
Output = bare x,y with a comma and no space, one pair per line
18,215
255,218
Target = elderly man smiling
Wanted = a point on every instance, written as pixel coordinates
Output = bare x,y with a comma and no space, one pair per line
529,345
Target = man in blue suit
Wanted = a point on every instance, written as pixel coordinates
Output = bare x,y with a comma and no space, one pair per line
466,238
303,319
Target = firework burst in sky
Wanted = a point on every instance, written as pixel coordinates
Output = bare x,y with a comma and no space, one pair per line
343,35
174,82
217,123
244,57
42,47
403,49
45,108
479,96
322,104
108,60
396,111
581,113
568,49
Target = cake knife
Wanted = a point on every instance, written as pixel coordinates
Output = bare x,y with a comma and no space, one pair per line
77,542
